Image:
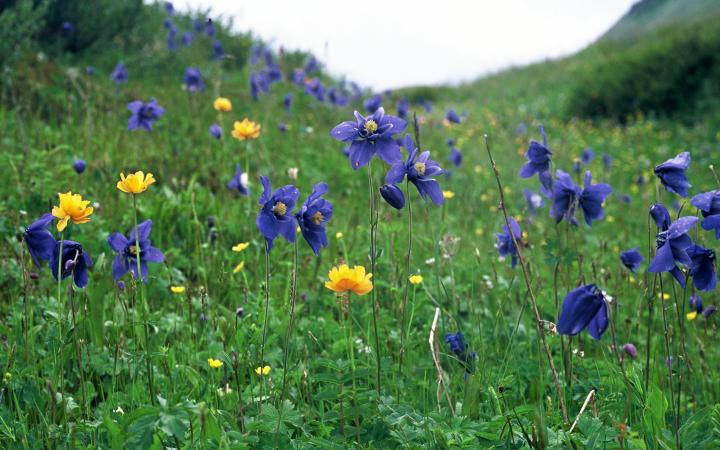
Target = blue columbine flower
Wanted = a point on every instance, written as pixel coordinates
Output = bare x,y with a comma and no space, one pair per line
315,88
169,8
312,65
661,216
456,156
702,267
370,135
538,157
565,196
192,80
239,181
276,217
287,102
79,166
709,204
587,156
40,242
504,241
631,259
187,38
534,201
696,303
451,116
218,51
373,103
419,170
672,245
672,174
584,307
314,213
459,347
592,198
119,75
216,131
68,27
403,108
172,37
126,259
393,195
607,161
75,262
143,115
210,28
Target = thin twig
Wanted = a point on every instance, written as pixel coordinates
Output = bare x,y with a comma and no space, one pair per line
587,400
435,352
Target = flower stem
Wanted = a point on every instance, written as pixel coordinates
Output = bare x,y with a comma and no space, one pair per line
293,295
375,306
267,310
668,360
141,289
60,317
408,257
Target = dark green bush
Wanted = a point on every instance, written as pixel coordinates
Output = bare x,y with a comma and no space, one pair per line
668,73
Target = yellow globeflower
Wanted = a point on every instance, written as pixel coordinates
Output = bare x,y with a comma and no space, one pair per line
415,279
246,129
222,104
215,363
239,267
691,315
344,279
448,194
240,247
177,289
264,370
135,183
72,207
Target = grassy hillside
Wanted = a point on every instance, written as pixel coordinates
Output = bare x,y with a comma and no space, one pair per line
130,365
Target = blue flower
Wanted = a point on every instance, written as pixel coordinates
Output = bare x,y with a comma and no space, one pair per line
661,216
592,198
287,102
534,201
143,115
607,161
68,27
419,170
538,157
239,181
119,75
631,259
504,241
79,166
276,217
312,65
372,104
370,135
314,213
672,174
702,267
218,51
209,28
315,88
40,242
456,156
215,131
186,39
587,156
709,204
127,251
696,303
403,108
584,307
459,347
75,262
672,246
451,116
565,196
192,80
393,195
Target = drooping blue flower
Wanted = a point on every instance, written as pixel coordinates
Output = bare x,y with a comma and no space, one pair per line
287,103
631,259
216,131
451,116
534,201
709,311
709,204
282,126
68,27
312,65
210,28
370,135
672,174
79,166
592,198
119,75
456,157
565,196
143,115
587,156
192,80
672,246
40,242
702,267
695,303
403,108
546,183
276,217
315,88
661,216
504,241
460,348
127,252
171,41
420,171
393,195
239,181
314,213
538,157
373,103
74,261
218,51
187,38
298,77
584,307
607,161
169,8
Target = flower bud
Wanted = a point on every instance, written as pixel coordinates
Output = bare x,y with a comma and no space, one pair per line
79,166
630,350
393,196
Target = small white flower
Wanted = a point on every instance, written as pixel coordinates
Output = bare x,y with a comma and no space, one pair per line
293,173
119,410
430,261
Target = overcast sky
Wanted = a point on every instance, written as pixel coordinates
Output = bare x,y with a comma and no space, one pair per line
393,43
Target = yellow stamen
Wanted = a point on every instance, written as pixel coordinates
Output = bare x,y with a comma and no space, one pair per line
371,126
420,168
279,209
317,218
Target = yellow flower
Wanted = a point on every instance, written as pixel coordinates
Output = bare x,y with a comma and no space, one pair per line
72,207
239,267
246,129
415,279
448,194
338,235
691,315
343,279
215,363
664,296
241,246
177,289
135,183
222,104
264,370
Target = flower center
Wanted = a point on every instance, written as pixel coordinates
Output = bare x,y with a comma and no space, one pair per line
279,209
371,126
420,168
132,250
317,218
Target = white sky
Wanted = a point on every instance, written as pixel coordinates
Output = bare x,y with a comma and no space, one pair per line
393,43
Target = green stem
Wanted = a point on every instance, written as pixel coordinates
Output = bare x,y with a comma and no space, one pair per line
145,308
408,257
375,305
267,310
60,316
293,294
